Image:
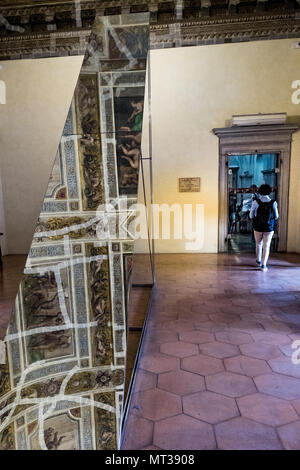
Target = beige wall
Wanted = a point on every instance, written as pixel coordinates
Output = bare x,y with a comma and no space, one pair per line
38,96
196,89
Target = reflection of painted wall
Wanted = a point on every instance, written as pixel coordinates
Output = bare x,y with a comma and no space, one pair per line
66,342
135,39
129,122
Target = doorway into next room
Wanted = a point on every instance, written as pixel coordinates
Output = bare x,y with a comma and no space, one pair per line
245,174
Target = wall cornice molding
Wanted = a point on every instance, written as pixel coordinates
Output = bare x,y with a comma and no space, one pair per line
44,45
32,28
228,21
220,30
274,129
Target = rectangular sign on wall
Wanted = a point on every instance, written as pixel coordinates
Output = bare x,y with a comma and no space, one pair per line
189,185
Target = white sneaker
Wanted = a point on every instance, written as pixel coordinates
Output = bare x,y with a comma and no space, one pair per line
264,268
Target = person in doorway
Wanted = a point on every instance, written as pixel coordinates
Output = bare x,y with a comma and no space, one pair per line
264,213
254,190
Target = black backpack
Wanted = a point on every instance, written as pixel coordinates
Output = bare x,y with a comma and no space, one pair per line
265,217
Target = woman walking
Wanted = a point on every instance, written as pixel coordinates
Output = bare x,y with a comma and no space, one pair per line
264,212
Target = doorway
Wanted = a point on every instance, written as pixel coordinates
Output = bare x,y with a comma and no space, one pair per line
274,140
245,175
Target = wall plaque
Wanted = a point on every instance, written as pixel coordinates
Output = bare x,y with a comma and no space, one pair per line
189,185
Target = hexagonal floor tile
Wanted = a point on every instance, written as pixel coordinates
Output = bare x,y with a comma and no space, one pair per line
181,382
155,404
196,337
234,309
231,385
156,321
292,308
139,433
179,349
267,409
287,350
247,366
233,337
295,336
183,433
224,317
206,309
211,326
145,380
267,337
260,351
278,385
243,434
219,350
296,405
293,321
150,347
246,326
284,365
275,326
194,317
158,363
210,407
290,436
201,364
178,325
159,336
245,300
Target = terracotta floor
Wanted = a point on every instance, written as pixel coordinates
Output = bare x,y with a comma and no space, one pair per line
139,299
216,371
10,277
138,306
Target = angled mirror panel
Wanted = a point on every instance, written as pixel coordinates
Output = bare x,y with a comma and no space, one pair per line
140,266
66,343
142,271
